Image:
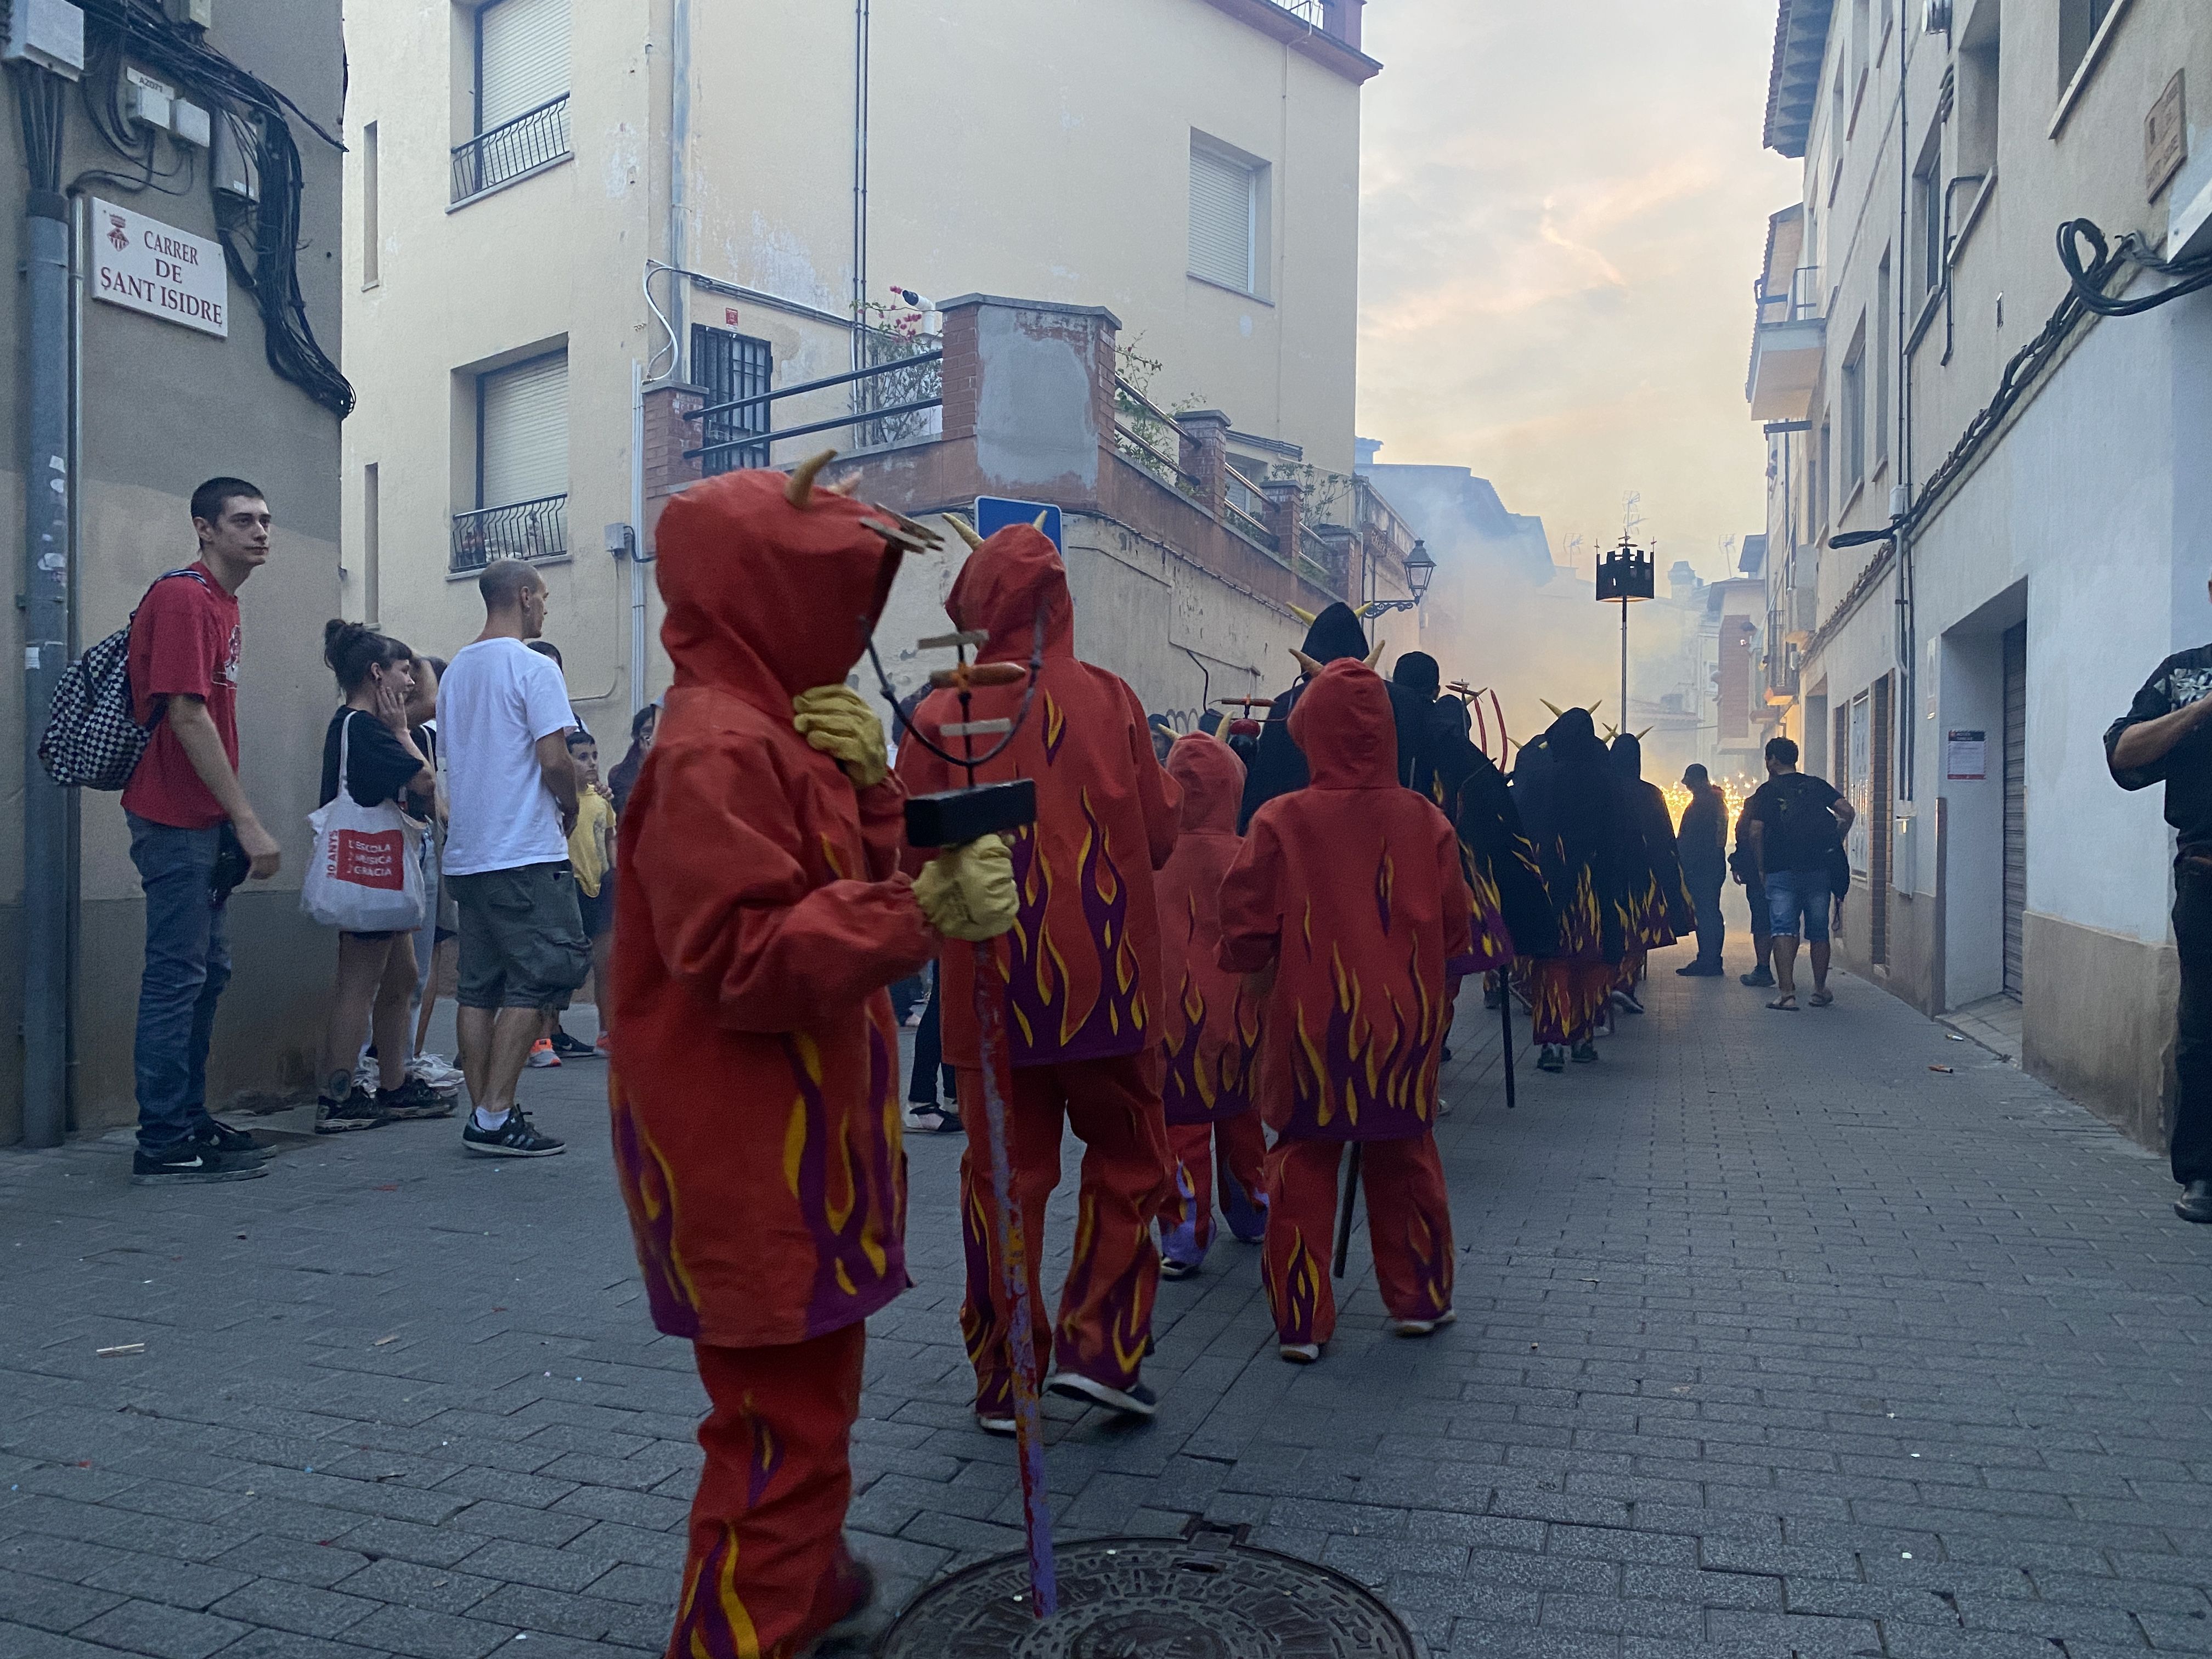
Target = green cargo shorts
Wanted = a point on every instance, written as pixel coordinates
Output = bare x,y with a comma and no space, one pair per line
522,937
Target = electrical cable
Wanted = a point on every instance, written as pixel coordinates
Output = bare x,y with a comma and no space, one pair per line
2088,279
268,266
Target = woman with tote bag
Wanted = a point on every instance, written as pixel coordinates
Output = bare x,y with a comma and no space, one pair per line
366,877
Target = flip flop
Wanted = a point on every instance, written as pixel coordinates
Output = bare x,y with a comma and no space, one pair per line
1784,1004
1822,999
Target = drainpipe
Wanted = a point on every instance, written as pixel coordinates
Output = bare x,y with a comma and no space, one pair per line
637,640
679,152
860,54
46,645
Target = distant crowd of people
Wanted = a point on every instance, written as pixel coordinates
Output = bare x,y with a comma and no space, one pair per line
465,846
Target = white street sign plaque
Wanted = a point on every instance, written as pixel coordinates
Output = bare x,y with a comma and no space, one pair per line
159,269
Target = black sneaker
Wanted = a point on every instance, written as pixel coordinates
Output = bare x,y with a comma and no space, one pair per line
514,1137
414,1099
1584,1053
569,1047
1761,976
1136,1400
355,1111
1629,1000
191,1162
216,1136
1553,1059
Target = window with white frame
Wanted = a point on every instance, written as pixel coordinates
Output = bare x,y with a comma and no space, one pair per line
522,432
1228,216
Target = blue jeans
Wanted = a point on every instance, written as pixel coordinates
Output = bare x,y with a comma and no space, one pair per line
1790,893
187,965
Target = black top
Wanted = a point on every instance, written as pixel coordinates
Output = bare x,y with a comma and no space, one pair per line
1703,836
1281,765
2185,769
378,765
1800,831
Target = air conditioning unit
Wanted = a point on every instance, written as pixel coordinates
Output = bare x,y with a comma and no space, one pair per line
47,33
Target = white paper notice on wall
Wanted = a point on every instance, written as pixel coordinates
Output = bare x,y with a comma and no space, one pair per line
165,272
1966,755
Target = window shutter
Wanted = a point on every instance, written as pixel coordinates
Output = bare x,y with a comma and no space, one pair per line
1220,219
522,48
526,432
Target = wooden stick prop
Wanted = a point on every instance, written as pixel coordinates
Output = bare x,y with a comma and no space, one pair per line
1505,1019
1351,1203
949,819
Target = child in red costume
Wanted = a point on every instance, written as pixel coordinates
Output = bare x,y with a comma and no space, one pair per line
1210,1021
754,1090
1348,896
1081,972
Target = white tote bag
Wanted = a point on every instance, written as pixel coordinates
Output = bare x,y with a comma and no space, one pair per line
366,876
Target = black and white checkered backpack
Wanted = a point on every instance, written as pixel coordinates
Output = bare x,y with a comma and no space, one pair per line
91,741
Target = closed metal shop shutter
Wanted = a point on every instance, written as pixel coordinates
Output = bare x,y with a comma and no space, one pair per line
1220,219
525,433
522,58
2015,806
1880,808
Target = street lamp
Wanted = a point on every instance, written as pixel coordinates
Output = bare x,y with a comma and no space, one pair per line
1624,574
1420,571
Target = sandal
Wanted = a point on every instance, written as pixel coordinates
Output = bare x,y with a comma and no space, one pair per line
1822,999
1784,1004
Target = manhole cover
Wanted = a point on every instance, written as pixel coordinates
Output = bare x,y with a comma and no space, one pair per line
1204,1597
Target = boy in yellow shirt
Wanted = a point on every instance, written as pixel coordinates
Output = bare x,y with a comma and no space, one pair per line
592,857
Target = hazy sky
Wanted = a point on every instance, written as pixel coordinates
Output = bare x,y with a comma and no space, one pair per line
1565,209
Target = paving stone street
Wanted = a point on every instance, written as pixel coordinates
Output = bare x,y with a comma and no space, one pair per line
1773,1339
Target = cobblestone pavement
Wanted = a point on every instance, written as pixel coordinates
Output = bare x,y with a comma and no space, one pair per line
1772,1339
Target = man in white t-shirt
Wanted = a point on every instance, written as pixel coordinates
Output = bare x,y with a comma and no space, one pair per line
503,719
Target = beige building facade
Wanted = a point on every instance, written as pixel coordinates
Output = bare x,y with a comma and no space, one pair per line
2017,484
561,213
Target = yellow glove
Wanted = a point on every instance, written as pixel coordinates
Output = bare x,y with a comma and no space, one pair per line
968,891
834,720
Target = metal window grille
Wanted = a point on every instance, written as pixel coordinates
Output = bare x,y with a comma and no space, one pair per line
529,142
728,367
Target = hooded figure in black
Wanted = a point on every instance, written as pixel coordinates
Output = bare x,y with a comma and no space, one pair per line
1415,681
1512,911
1656,908
1577,817
1279,768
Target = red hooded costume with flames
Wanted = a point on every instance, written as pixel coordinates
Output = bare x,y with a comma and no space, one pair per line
754,1089
1081,970
1350,891
1210,1020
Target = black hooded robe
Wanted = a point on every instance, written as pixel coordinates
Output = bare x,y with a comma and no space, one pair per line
1279,768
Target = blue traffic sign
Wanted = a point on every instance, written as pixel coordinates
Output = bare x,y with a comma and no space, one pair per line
994,513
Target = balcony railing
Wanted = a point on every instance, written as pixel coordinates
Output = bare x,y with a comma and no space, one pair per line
887,397
1147,436
1802,302
521,529
1306,11
1246,509
1320,563
532,140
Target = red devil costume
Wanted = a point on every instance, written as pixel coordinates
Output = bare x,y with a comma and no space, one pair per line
754,1092
1349,892
1081,975
1209,1019
1277,766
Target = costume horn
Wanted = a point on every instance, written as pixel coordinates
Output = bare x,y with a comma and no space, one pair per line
1376,655
1041,519
1305,662
799,490
1302,614
966,531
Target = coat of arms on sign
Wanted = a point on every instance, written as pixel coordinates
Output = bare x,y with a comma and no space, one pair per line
118,238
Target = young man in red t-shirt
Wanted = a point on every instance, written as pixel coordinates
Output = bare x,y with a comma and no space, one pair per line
191,830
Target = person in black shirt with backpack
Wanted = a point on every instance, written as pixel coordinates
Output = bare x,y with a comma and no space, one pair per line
1793,823
2163,739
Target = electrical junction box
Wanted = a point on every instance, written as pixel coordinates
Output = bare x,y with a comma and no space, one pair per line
190,124
233,170
47,33
146,100
200,14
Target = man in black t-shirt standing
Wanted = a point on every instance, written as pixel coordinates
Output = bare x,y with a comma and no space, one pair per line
1793,823
2163,739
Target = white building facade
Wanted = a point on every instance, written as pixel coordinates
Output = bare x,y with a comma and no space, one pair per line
2027,482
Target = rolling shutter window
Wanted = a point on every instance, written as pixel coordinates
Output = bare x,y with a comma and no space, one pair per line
525,433
522,58
1221,219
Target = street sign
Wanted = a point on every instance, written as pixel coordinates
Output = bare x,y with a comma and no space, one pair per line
995,513
165,272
